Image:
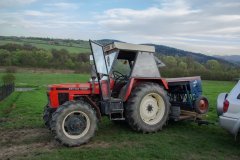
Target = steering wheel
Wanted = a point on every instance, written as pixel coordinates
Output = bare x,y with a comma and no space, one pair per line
119,76
120,79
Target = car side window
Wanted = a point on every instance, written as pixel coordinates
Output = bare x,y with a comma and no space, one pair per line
238,97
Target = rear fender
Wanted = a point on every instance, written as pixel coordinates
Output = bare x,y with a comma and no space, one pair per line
134,81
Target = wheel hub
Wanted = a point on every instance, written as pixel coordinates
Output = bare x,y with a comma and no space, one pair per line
152,108
203,105
76,125
149,108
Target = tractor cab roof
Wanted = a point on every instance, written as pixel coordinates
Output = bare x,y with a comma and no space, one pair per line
128,47
128,51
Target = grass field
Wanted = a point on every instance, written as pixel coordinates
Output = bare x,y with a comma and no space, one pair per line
43,79
23,135
74,48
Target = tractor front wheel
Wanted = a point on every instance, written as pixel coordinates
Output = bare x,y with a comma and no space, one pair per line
147,108
47,116
74,123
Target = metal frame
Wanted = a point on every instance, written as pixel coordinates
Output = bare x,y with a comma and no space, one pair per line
155,74
114,61
98,74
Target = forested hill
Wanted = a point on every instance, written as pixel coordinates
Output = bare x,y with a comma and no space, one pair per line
232,58
170,51
82,46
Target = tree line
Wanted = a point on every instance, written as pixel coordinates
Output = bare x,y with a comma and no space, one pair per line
186,66
29,56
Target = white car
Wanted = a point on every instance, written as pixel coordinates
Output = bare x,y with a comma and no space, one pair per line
228,109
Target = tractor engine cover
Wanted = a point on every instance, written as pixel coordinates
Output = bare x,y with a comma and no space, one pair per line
60,93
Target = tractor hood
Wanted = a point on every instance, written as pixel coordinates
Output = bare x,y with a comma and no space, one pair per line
70,86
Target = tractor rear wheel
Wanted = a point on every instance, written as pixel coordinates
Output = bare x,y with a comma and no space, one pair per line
47,116
74,123
147,108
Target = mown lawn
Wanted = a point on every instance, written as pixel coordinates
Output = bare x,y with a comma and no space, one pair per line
22,111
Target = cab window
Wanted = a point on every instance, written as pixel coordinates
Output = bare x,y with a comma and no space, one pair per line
122,66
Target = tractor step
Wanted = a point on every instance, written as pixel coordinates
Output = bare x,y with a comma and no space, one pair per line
113,108
116,114
118,119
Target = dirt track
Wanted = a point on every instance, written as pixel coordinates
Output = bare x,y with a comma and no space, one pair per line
24,142
31,142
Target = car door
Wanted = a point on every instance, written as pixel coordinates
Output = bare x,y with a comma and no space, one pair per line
234,101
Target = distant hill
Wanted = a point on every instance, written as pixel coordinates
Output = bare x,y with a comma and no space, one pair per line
170,51
82,46
232,58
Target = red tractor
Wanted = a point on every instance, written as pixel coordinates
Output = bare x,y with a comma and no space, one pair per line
125,86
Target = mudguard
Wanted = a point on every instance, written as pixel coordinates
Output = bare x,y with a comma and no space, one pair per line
134,81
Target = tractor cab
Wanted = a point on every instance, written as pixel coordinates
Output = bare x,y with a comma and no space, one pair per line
117,65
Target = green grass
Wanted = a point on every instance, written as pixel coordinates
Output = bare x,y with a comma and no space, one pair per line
75,48
43,79
178,140
24,109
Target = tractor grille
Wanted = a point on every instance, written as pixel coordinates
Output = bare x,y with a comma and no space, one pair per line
62,98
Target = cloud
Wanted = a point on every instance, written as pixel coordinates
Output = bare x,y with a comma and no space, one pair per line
63,6
227,30
11,3
182,24
175,9
201,26
38,13
227,18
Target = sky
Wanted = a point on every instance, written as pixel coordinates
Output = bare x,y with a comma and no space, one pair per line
211,27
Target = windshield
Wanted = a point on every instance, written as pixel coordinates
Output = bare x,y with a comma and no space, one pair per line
99,58
103,65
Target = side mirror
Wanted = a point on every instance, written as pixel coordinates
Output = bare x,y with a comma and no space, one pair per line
91,59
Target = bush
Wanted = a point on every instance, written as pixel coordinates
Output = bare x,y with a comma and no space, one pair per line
11,69
8,78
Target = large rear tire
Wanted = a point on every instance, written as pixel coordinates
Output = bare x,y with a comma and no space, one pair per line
147,108
74,123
